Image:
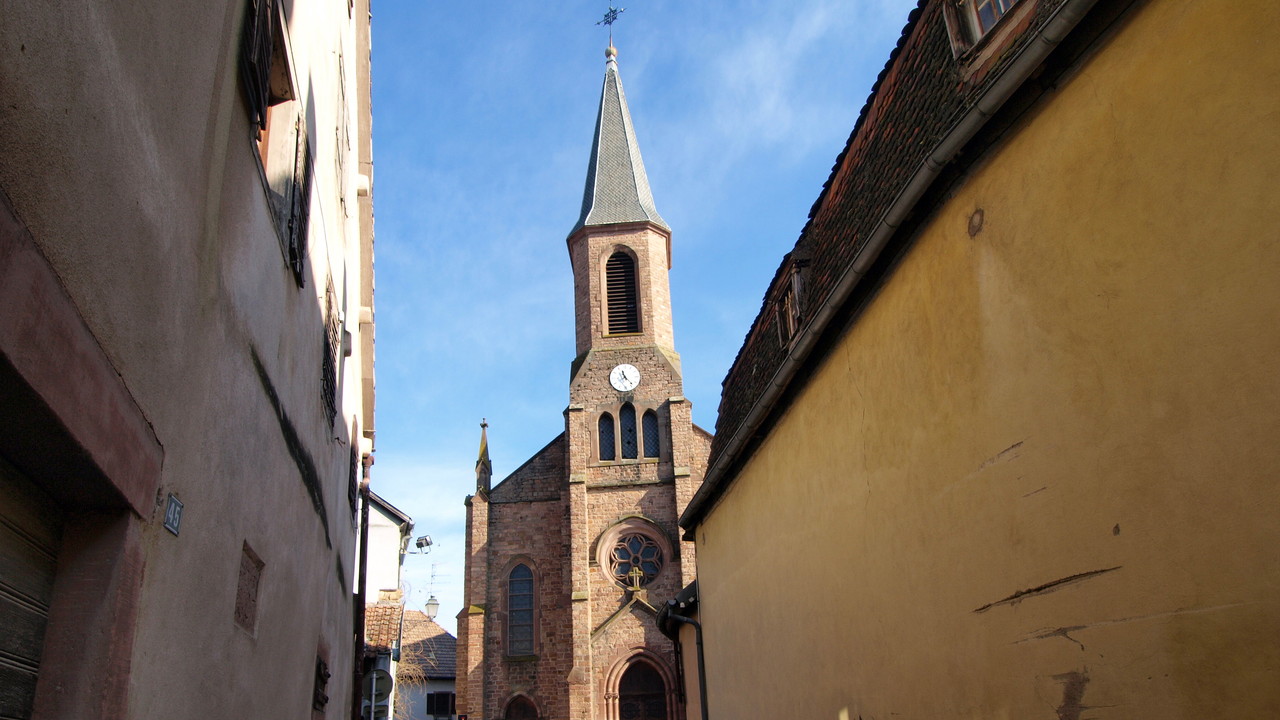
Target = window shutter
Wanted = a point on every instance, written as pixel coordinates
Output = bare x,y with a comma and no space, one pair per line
329,371
300,206
621,294
255,58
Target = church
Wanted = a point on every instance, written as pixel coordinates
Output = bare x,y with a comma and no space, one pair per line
570,558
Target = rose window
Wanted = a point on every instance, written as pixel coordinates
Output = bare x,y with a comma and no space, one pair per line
635,556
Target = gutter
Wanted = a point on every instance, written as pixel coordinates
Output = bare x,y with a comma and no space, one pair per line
359,600
1059,25
685,601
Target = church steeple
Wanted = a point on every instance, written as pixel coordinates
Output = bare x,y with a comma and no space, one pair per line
484,468
620,247
617,189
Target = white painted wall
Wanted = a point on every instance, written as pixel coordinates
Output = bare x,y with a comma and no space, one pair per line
386,539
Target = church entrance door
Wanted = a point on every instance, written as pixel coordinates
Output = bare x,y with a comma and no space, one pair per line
641,694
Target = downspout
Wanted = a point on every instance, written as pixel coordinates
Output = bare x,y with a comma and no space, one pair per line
1064,19
357,695
702,669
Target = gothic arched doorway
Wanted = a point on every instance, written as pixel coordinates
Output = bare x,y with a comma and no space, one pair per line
521,708
642,695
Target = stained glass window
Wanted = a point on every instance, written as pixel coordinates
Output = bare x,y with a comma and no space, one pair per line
606,437
520,611
649,426
627,419
635,551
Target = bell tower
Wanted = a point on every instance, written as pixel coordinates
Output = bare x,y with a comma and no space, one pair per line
634,456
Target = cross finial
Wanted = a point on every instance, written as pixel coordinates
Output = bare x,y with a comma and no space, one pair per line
609,19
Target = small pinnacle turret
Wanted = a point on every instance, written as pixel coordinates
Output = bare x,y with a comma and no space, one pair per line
484,468
617,189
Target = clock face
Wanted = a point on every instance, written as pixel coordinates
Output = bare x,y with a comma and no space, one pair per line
624,377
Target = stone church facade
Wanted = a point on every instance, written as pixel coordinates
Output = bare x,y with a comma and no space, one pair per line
571,556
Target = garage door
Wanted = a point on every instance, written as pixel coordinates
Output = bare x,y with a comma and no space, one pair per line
29,532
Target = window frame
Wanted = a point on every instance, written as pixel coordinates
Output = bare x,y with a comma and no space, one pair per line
977,47
646,432
606,418
508,621
276,117
628,413
635,525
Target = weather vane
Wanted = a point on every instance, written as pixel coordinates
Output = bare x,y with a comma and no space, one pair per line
610,18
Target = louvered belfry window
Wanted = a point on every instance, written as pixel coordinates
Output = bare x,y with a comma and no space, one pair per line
621,294
627,419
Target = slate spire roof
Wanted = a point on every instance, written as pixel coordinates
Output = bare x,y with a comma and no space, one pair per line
617,188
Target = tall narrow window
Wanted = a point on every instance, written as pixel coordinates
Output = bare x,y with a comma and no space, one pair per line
520,611
621,294
649,428
606,437
627,419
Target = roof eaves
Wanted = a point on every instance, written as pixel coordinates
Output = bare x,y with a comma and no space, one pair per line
977,109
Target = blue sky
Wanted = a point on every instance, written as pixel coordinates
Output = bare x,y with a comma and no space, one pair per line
483,113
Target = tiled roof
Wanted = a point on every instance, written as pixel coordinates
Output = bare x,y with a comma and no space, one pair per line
382,625
427,651
617,187
916,102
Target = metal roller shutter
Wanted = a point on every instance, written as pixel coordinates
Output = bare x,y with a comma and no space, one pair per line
30,529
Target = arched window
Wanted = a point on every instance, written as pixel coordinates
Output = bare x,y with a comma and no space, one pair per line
606,437
627,418
622,296
520,611
522,708
649,429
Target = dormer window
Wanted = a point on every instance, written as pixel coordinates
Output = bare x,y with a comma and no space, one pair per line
621,295
789,303
985,13
969,22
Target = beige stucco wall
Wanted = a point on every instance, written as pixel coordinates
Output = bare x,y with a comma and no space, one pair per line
1088,387
128,156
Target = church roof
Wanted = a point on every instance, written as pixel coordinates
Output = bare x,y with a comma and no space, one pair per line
617,189
916,114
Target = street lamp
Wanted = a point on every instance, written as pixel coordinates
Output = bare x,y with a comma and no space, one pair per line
433,607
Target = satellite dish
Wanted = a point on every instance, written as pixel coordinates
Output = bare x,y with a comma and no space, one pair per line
377,685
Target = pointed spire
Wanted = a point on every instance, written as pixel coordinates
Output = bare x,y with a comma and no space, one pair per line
617,188
484,468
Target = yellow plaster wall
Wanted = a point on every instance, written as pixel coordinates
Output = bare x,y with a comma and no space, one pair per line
1089,388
